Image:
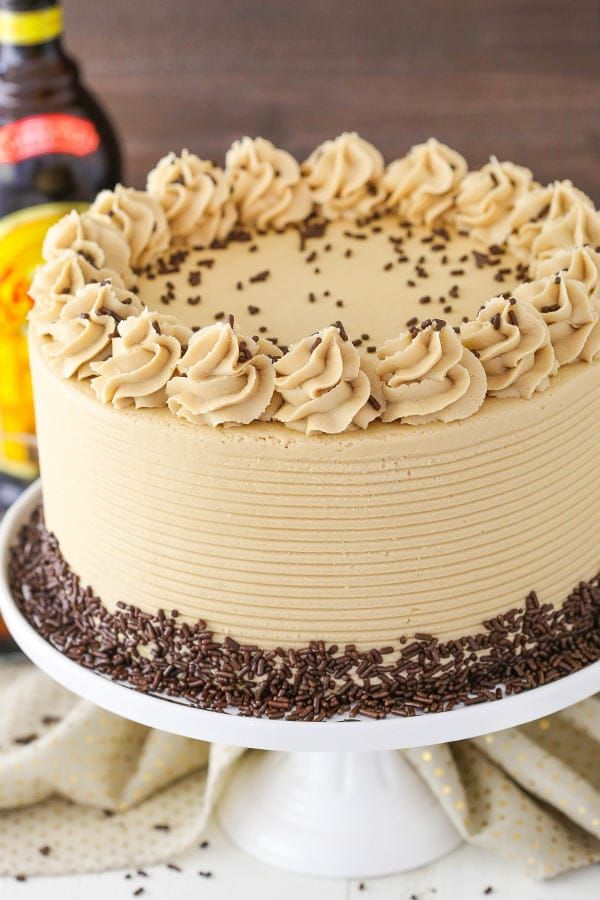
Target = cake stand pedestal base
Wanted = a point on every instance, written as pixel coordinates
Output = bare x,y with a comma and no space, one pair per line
335,814
335,798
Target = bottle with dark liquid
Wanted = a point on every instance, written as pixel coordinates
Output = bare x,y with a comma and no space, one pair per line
56,143
57,150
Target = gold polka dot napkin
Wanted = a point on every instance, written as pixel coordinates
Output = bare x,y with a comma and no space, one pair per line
530,794
83,790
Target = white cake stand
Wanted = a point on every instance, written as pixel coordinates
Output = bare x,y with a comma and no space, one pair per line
335,799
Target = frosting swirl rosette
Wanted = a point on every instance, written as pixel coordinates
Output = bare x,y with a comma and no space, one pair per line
421,186
551,218
344,177
513,343
139,217
195,196
143,359
570,312
376,403
82,333
429,376
267,186
323,385
487,198
57,282
580,263
224,380
92,236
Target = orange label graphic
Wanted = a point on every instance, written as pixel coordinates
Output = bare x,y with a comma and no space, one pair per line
21,238
49,133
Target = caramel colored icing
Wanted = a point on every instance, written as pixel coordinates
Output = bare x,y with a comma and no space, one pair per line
276,537
421,223
82,334
266,184
429,376
225,379
93,237
553,217
487,198
56,283
570,312
581,263
422,185
322,385
344,177
194,194
369,277
139,217
373,488
143,359
512,341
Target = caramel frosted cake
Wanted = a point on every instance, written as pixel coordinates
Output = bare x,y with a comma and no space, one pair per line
320,438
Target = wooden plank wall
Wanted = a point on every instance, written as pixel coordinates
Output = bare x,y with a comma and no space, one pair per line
519,78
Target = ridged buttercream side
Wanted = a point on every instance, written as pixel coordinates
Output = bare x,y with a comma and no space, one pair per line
275,537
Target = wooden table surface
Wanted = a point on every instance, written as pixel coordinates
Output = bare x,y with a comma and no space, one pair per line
463,875
518,78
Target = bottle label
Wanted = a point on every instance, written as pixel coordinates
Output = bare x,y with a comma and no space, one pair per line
47,133
31,27
21,237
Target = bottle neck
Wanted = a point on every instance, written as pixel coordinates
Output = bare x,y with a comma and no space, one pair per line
30,28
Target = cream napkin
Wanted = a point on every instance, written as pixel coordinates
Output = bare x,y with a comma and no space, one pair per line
83,790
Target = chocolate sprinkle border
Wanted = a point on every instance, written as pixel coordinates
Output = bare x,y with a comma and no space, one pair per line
521,649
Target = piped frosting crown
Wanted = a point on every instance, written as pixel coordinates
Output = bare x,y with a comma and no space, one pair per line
93,328
139,217
429,376
143,359
268,189
421,186
224,380
195,195
345,177
322,385
512,341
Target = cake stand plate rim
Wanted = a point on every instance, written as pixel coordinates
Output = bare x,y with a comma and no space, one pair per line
266,734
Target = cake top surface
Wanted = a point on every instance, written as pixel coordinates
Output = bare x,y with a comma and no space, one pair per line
324,296
376,278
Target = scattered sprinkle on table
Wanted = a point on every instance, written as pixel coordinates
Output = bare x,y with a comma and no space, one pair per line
25,739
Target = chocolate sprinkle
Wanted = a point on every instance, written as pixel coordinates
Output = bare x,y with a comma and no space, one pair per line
51,720
260,276
25,739
341,329
525,647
